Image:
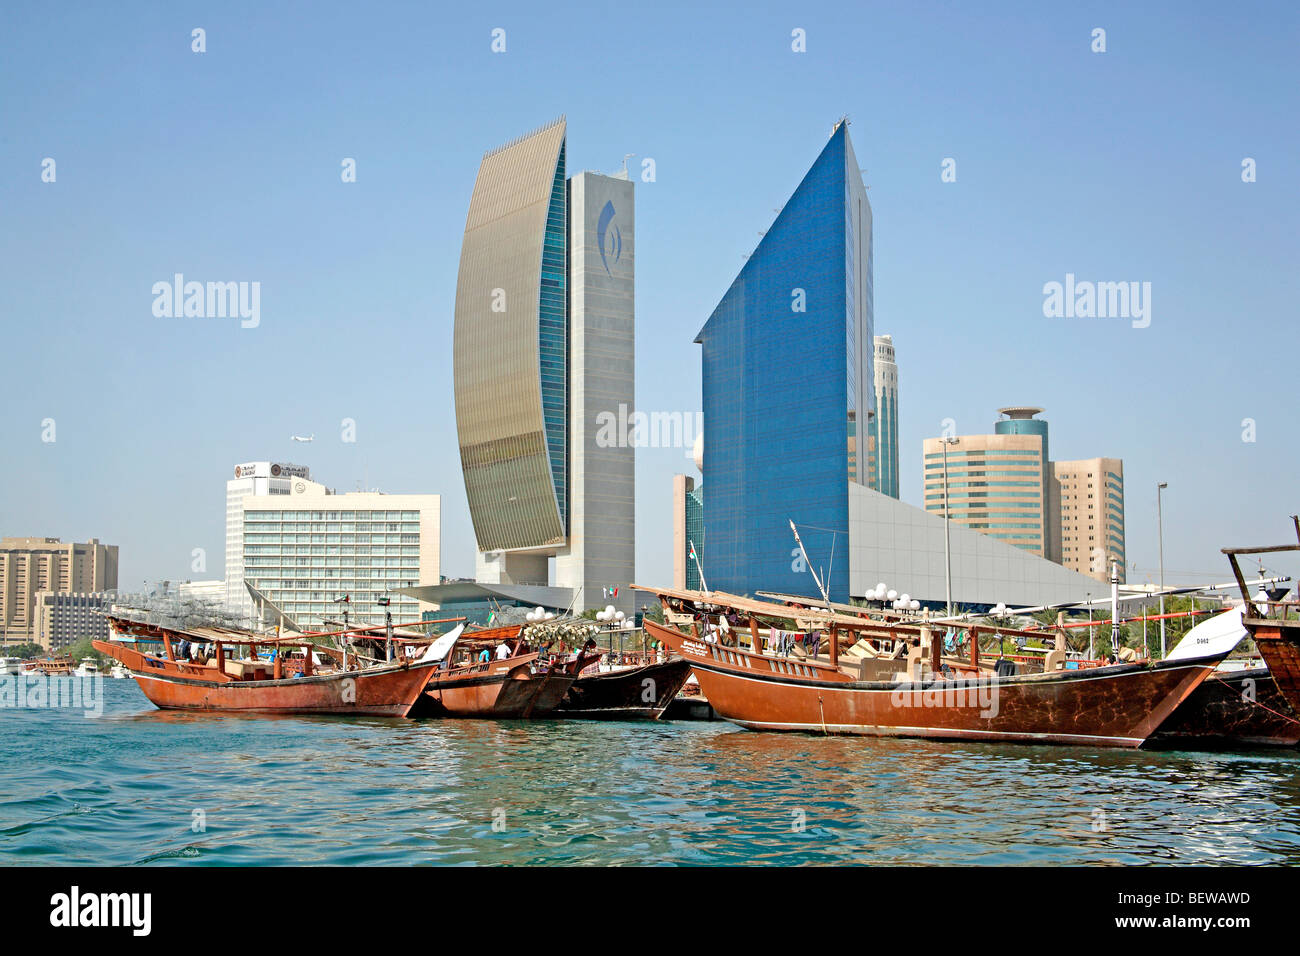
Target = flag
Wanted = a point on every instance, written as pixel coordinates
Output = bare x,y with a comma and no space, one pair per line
491,617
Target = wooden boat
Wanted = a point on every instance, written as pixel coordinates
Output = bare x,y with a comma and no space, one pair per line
628,693
519,685
1117,705
1232,708
51,666
292,683
1273,625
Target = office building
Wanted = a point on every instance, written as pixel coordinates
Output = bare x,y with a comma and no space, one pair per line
309,549
688,530
788,368
252,479
1091,496
543,351
1004,485
64,619
884,423
787,379
996,484
29,566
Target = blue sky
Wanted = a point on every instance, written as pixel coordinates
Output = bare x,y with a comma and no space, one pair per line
225,165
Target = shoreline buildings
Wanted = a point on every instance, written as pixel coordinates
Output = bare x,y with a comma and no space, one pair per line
996,484
544,346
788,363
307,549
884,424
1006,486
1090,508
788,382
44,581
252,479
304,546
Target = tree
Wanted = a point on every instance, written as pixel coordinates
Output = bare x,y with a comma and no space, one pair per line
83,649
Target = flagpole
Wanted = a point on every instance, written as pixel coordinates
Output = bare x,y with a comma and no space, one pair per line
698,567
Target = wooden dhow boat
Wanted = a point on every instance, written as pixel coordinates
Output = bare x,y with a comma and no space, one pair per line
60,666
626,693
1273,624
844,685
477,679
1231,709
202,669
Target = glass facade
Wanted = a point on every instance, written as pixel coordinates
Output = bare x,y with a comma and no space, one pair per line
694,535
553,339
884,425
783,359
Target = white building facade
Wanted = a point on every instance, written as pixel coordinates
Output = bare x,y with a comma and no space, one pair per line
254,479
309,548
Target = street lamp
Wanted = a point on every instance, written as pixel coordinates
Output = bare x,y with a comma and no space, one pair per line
947,554
1160,530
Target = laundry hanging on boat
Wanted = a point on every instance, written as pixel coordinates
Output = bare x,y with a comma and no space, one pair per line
781,643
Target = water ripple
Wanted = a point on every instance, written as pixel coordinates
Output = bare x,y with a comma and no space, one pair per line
142,787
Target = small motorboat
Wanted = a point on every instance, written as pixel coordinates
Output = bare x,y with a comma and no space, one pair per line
11,665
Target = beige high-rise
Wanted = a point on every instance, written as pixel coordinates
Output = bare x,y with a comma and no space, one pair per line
1091,513
995,486
32,565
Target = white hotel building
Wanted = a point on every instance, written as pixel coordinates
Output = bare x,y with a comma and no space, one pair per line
255,479
306,549
303,545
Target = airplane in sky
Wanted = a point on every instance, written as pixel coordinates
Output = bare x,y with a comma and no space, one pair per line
311,437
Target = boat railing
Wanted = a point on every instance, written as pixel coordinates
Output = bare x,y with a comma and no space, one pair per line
1274,611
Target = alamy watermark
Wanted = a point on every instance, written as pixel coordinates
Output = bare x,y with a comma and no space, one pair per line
948,695
1075,299
38,691
634,429
212,300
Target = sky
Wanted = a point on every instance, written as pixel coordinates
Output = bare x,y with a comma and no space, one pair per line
225,165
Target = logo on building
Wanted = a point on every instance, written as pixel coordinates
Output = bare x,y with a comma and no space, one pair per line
275,471
610,242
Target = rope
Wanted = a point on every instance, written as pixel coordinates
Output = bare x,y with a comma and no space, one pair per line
1223,686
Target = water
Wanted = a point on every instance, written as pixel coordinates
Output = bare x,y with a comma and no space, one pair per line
142,786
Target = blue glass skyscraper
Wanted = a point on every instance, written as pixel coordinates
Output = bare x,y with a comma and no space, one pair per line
788,383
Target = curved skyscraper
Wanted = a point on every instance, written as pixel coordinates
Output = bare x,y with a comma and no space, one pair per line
510,351
543,348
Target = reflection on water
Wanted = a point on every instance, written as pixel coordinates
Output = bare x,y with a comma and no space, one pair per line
123,789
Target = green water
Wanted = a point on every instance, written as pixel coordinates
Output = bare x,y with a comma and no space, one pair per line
137,786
